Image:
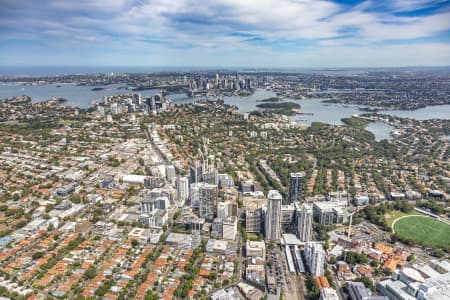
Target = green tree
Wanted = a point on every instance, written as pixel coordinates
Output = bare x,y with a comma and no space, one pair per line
151,295
212,276
90,273
134,243
367,282
37,255
332,260
312,287
75,198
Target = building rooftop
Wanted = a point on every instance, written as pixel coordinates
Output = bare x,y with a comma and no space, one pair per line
290,239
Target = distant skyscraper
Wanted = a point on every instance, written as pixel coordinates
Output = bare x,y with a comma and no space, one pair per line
248,84
305,221
273,216
295,187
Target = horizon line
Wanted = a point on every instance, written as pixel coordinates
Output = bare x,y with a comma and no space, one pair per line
122,69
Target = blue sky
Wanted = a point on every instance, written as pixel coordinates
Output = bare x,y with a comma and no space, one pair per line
225,33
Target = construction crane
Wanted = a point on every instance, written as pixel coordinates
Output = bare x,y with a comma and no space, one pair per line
203,155
350,223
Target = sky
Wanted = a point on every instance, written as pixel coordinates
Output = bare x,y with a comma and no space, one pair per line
225,33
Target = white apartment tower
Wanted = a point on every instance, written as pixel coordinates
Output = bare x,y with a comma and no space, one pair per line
273,216
315,258
305,221
222,210
183,190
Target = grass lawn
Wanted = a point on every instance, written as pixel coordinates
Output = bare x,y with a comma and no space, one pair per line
425,229
395,214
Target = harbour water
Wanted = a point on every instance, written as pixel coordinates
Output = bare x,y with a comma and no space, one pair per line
80,96
315,109
381,130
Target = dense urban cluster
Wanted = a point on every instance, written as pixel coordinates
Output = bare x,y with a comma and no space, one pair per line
140,198
372,90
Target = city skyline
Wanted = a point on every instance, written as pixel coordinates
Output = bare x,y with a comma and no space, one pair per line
225,33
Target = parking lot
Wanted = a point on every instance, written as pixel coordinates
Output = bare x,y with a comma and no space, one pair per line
284,279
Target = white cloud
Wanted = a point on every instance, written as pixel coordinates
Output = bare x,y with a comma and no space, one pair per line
105,5
379,56
175,21
408,5
140,25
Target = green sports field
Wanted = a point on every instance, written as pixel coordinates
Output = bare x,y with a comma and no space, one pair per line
420,228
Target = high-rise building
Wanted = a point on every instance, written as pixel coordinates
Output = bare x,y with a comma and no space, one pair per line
273,216
305,221
211,176
170,172
222,210
315,258
295,187
248,85
253,207
253,219
146,205
229,227
183,190
194,195
208,194
287,214
217,228
196,172
149,204
196,232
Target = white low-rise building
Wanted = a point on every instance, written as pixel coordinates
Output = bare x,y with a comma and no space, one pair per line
256,249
